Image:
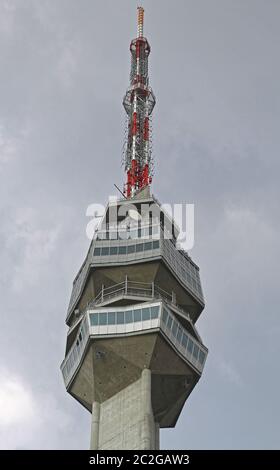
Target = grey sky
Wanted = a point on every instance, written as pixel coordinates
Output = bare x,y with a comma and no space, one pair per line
215,71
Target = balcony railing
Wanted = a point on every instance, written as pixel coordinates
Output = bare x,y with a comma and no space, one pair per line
131,289
134,289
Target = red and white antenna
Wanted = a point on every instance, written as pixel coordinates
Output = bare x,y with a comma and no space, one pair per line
138,102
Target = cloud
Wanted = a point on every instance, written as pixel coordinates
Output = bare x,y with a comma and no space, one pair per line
31,241
26,414
229,373
7,9
8,147
67,63
16,401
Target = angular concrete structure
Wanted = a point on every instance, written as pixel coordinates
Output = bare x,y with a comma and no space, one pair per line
133,353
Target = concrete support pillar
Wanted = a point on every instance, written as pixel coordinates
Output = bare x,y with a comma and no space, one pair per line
147,430
125,285
126,421
95,421
157,430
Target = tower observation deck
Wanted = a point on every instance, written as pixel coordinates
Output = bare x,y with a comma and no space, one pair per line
133,353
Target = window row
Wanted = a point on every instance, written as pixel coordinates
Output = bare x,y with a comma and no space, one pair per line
126,250
145,232
185,270
182,337
82,334
76,351
121,318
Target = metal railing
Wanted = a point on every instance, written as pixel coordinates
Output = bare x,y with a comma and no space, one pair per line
146,290
132,288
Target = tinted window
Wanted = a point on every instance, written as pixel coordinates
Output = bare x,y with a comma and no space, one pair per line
104,251
169,322
113,250
174,328
145,314
156,244
201,357
122,250
96,251
179,334
128,316
102,318
94,319
137,315
111,318
120,318
154,312
195,351
190,345
184,340
131,249
139,247
164,315
148,246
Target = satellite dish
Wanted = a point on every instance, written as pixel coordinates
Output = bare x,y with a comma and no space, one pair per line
134,214
97,215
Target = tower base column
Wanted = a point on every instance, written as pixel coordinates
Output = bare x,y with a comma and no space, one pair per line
95,419
125,421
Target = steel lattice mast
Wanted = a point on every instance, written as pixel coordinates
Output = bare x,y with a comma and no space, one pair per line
138,102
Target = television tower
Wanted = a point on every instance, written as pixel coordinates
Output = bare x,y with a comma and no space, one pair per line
133,352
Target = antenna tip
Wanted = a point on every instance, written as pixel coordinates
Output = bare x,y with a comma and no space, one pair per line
140,21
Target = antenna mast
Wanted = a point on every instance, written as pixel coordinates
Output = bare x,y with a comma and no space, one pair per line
138,102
